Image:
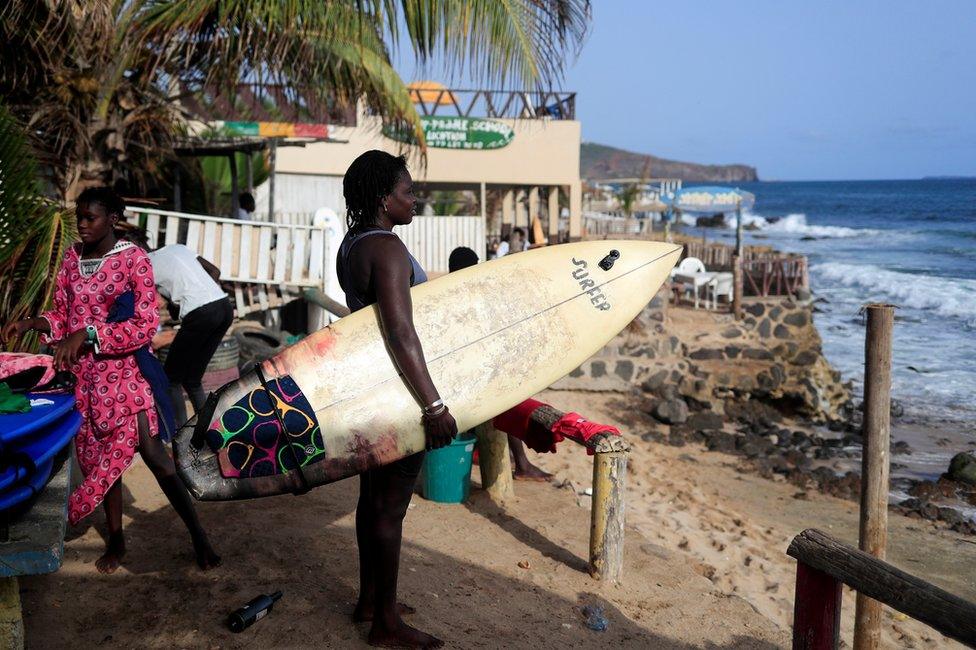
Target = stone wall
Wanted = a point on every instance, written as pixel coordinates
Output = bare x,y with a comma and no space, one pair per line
710,363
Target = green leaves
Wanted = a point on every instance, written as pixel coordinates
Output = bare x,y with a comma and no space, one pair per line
34,233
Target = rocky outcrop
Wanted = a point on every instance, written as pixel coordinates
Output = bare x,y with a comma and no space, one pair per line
768,365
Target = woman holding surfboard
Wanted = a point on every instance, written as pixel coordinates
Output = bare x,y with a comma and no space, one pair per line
374,267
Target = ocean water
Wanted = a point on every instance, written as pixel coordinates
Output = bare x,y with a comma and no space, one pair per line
910,243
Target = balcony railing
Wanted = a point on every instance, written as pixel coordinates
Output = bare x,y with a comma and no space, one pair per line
516,104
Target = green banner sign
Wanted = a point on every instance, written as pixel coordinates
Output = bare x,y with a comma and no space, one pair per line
443,132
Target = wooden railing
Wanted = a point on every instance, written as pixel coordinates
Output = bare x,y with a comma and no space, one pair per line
267,263
824,564
245,251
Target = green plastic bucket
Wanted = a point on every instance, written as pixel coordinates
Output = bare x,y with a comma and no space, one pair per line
446,473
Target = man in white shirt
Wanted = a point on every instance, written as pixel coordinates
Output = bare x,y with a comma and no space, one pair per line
246,206
191,282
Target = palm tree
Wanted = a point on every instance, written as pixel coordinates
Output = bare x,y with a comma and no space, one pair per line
629,194
98,83
33,230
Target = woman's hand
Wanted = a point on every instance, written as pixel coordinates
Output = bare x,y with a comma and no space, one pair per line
440,429
68,349
16,329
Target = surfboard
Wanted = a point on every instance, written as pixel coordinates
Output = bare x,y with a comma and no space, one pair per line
334,404
18,425
18,495
39,448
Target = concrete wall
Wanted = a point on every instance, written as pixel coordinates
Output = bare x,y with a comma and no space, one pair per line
542,152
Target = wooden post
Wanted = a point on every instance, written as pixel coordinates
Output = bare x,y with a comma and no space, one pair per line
816,610
864,573
738,227
875,462
494,463
607,515
737,287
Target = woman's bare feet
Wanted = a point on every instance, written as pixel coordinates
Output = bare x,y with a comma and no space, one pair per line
114,552
207,558
364,613
530,472
402,636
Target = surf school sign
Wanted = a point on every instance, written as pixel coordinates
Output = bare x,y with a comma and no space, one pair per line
443,132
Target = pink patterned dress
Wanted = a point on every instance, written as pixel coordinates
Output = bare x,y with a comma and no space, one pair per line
111,390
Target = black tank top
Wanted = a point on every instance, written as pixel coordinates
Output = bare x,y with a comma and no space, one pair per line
356,300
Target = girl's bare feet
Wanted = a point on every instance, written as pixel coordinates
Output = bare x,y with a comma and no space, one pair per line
364,613
207,558
402,636
114,552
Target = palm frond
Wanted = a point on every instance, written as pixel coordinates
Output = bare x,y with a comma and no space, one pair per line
34,232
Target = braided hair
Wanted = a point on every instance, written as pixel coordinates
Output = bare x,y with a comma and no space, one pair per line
105,196
369,178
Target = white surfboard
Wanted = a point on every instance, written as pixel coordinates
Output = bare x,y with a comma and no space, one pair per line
493,335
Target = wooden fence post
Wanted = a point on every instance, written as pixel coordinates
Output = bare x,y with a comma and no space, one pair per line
737,285
494,462
875,462
816,609
607,514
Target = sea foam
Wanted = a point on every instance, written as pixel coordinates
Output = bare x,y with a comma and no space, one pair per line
954,297
795,225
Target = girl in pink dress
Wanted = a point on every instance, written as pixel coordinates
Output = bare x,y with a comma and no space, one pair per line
116,402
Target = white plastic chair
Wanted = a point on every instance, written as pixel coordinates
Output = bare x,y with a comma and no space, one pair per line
691,265
688,266
722,285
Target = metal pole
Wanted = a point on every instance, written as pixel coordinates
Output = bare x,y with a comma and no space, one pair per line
272,161
177,191
235,202
875,462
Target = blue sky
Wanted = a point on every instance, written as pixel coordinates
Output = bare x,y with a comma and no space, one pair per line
855,89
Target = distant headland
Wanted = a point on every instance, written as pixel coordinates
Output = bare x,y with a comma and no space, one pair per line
598,161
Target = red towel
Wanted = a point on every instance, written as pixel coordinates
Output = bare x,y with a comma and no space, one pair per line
575,426
517,422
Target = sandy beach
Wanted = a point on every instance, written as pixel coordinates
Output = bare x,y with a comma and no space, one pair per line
480,577
705,562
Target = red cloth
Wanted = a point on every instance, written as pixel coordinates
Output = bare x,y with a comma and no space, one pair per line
575,426
517,421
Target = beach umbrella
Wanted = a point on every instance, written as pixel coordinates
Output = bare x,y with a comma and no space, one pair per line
712,199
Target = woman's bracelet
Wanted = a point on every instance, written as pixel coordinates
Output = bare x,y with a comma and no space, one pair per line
432,408
435,413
